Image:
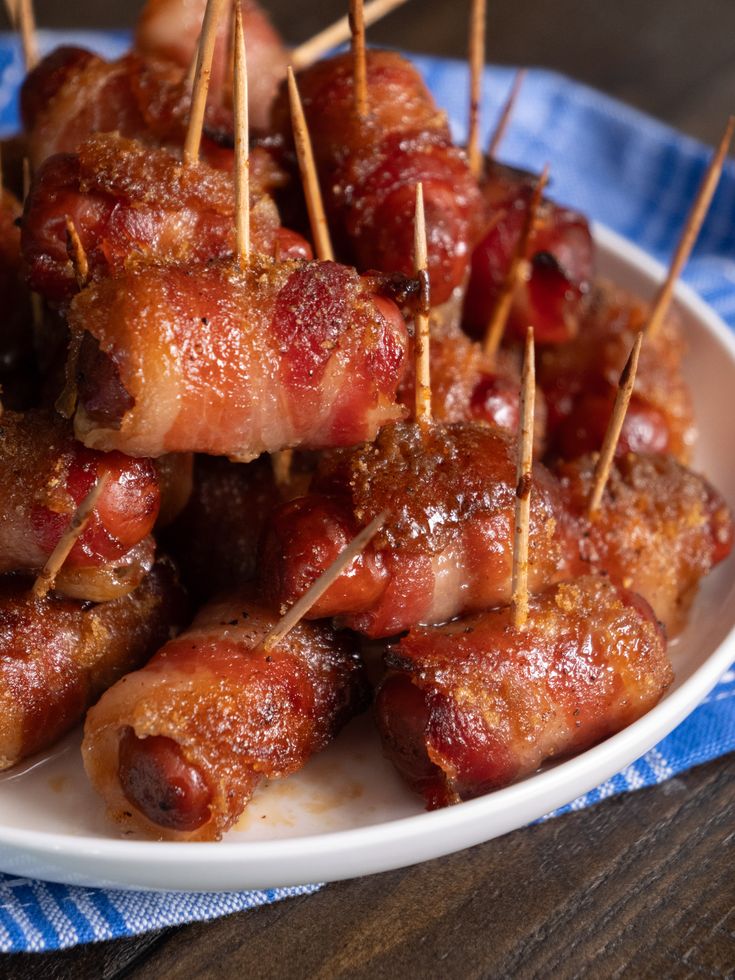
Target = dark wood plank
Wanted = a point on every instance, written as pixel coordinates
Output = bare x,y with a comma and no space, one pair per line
641,885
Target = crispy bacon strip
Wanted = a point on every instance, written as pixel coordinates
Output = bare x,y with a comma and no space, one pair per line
445,549
169,30
72,94
127,199
177,749
555,294
474,705
579,380
369,167
659,530
236,362
44,475
58,655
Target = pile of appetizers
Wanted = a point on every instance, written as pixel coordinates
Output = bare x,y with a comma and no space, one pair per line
284,370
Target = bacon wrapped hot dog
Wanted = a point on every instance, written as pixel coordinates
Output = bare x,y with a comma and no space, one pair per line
58,655
128,199
229,362
44,476
446,548
659,530
369,168
169,29
177,749
554,296
474,705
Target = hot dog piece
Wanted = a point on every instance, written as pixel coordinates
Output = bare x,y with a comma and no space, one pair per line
237,362
44,476
554,296
659,530
474,705
58,655
127,199
446,548
369,168
579,381
178,748
169,29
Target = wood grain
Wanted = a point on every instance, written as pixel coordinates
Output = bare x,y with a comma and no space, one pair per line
641,885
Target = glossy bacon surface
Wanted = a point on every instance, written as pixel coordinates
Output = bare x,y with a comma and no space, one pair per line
169,30
555,295
127,199
446,548
579,380
58,655
369,168
44,476
214,359
474,705
69,100
177,749
659,530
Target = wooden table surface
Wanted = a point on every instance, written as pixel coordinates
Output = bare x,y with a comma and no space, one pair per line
639,886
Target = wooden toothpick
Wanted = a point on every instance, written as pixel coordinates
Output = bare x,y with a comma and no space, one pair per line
281,463
242,142
210,25
76,253
337,33
28,35
357,28
315,591
614,426
695,220
80,518
516,269
309,179
499,132
524,466
476,58
422,333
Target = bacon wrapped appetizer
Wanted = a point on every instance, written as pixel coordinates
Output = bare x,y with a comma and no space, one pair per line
177,749
72,94
474,705
369,168
554,296
579,381
127,199
235,362
659,530
215,539
44,476
58,655
446,547
169,30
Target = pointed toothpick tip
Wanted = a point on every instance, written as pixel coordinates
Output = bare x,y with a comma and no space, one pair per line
312,595
80,518
309,178
205,54
76,253
626,384
502,124
692,227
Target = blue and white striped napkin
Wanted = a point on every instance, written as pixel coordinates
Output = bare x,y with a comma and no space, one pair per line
621,168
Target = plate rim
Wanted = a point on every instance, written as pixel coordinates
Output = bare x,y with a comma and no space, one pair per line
348,852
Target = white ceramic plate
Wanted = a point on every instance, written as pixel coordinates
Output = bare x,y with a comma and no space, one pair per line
347,813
